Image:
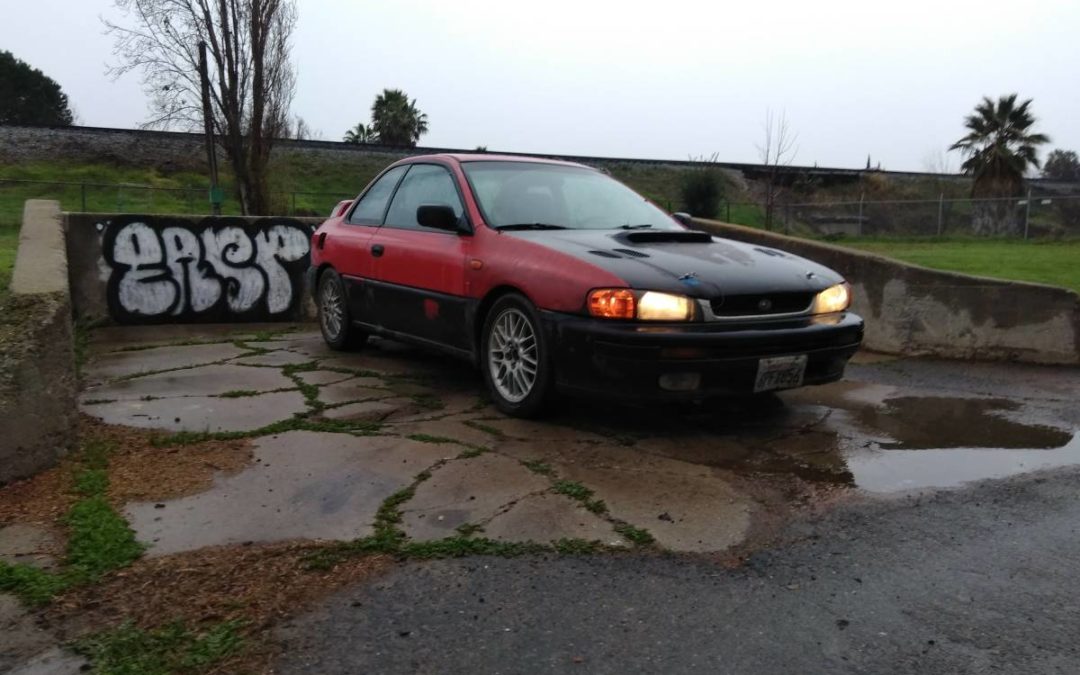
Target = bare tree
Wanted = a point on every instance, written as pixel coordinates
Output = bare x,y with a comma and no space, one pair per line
777,150
251,79
937,161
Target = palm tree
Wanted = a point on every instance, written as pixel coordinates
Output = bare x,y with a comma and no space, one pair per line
361,134
396,119
999,149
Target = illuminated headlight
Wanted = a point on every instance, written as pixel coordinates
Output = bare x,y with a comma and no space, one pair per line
655,306
622,303
833,299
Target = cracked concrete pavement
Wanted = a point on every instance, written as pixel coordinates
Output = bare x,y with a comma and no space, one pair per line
696,478
335,435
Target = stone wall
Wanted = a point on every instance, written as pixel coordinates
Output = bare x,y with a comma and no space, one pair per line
38,383
919,311
138,269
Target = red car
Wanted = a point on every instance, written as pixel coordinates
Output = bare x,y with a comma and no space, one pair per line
552,276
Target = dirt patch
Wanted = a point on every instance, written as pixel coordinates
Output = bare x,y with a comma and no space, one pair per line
138,471
40,500
257,585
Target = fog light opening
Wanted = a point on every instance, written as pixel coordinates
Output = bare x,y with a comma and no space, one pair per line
680,381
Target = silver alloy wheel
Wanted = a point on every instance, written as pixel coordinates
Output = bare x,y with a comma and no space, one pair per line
331,310
513,358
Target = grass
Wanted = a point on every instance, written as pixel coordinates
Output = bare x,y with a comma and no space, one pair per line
1047,262
9,242
174,648
99,539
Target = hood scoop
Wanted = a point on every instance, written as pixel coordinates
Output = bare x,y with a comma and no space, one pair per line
667,237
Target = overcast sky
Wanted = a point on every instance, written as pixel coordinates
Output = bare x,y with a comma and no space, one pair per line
638,79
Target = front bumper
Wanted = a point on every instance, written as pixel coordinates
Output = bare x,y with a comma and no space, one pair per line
624,360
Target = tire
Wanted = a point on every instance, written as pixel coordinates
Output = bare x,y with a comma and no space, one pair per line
515,358
332,307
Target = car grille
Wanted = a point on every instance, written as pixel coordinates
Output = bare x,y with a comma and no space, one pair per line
761,304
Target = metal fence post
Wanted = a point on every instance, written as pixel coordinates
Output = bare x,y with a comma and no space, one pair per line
728,219
940,212
293,204
862,196
1027,214
82,193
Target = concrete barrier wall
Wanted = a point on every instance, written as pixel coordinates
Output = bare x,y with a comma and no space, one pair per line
137,269
38,414
915,310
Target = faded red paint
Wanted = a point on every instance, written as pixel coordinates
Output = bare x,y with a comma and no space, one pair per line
431,309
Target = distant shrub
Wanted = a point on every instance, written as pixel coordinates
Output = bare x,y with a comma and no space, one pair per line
701,192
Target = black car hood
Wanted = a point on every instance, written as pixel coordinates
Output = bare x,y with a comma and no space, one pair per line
683,261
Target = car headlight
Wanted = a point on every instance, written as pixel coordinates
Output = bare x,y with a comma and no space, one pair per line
833,299
622,303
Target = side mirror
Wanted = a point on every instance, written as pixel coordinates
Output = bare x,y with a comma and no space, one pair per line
683,218
437,217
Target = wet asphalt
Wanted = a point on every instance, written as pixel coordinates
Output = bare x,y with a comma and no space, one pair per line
976,580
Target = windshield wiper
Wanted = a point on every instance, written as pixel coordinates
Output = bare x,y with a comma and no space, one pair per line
531,226
635,227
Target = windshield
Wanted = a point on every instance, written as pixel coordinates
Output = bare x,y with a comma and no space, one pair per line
552,196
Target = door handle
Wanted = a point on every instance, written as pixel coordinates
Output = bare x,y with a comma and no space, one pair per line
377,250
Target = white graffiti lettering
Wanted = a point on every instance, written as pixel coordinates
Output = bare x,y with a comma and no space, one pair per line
163,270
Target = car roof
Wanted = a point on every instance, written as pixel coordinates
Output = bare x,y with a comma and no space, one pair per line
490,157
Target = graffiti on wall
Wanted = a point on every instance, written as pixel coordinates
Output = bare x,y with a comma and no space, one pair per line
215,269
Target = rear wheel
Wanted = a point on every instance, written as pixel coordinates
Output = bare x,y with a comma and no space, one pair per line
515,358
334,318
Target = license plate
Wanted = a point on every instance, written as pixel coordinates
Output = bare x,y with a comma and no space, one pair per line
780,372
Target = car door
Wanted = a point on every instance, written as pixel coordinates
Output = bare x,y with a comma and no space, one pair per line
419,272
352,240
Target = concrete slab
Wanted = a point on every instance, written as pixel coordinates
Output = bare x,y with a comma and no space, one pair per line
202,413
27,649
371,411
467,491
303,485
123,364
534,430
686,507
29,545
112,338
445,428
201,381
550,517
274,358
355,389
322,377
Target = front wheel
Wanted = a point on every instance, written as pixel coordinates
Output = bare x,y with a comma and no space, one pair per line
515,358
333,310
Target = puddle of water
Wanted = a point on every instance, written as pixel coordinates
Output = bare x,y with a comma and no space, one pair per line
936,422
939,442
899,470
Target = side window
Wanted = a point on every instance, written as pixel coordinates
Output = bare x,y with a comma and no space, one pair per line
426,184
372,206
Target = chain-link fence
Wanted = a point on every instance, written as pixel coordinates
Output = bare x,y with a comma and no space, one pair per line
1026,217
132,198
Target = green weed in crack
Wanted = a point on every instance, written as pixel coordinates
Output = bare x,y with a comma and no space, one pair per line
428,401
247,393
428,438
487,429
635,535
580,493
299,423
99,540
173,648
538,466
